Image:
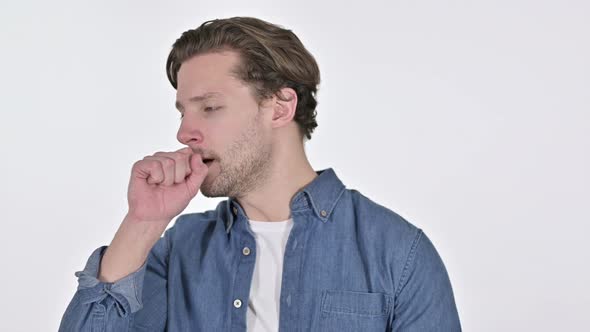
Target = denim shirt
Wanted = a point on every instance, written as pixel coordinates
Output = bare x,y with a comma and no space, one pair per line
350,264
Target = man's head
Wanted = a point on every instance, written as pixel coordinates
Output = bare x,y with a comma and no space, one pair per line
244,86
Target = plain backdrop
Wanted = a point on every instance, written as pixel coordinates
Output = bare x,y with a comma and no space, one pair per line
468,118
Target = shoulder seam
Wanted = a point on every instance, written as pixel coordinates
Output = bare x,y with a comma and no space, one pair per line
409,260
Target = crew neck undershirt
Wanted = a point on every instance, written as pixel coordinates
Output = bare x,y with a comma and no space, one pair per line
263,303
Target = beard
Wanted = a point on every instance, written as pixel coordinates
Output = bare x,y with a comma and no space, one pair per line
244,167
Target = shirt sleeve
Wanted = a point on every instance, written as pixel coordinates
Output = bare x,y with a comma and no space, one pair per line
117,306
424,299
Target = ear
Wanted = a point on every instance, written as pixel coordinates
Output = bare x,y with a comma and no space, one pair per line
284,104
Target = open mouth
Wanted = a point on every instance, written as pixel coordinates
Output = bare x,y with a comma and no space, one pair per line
208,161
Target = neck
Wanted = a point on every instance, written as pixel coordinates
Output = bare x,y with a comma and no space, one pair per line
289,172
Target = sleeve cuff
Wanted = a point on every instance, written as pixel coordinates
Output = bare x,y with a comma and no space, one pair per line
126,291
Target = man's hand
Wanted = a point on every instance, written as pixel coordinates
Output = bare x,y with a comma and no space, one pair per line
161,186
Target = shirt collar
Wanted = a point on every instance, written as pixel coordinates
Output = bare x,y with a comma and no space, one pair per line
321,195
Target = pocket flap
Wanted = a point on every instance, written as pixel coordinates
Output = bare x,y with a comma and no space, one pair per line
360,303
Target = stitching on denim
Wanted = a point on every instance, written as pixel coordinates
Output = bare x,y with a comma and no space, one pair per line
315,209
346,310
299,211
337,199
303,245
236,263
136,291
323,303
409,260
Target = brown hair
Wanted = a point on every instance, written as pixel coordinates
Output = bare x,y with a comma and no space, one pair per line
272,58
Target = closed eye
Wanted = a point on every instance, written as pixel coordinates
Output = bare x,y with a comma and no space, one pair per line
211,108
206,109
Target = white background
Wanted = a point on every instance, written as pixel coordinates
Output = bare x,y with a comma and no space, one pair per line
468,118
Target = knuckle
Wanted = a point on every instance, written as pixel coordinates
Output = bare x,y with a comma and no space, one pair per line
168,162
177,156
152,163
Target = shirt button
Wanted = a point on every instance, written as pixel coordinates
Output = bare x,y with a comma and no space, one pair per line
246,251
324,213
235,211
237,303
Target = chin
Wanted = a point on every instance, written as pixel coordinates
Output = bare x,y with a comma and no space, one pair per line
207,190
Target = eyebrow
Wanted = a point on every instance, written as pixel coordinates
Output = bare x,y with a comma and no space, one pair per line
199,98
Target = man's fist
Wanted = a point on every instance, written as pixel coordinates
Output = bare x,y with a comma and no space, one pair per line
162,185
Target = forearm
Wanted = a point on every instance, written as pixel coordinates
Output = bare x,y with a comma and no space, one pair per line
129,248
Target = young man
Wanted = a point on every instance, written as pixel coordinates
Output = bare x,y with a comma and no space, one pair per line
291,249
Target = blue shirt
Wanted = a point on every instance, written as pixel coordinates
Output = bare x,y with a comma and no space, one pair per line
350,264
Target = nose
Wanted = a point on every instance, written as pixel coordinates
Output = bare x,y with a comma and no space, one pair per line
189,134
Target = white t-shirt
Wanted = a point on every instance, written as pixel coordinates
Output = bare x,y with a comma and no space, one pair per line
263,305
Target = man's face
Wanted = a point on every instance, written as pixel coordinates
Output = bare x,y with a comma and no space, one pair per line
225,125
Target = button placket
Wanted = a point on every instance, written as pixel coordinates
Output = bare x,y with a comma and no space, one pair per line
244,248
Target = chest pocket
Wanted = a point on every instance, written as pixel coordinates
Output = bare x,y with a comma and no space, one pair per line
354,311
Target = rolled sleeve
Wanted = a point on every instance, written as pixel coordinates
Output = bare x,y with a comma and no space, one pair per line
126,291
